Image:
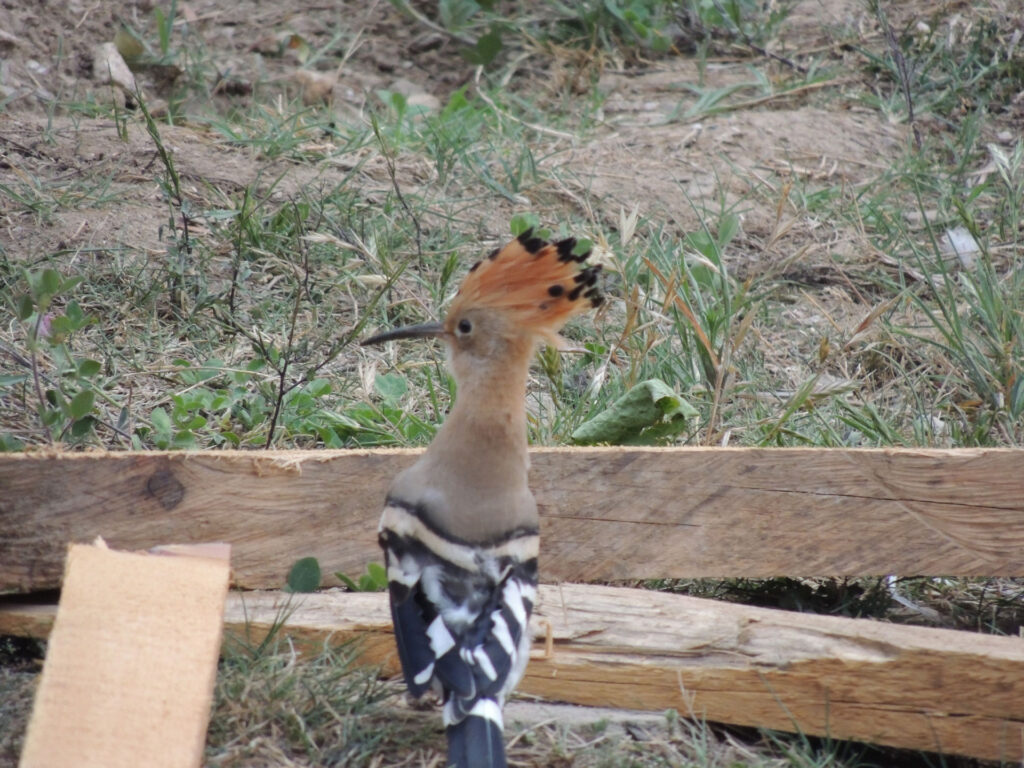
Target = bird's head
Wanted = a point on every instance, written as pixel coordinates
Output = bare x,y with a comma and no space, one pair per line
518,296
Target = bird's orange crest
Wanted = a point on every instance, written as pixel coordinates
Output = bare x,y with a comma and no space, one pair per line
540,284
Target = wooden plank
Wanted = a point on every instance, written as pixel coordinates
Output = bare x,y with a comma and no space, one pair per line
131,662
910,687
607,513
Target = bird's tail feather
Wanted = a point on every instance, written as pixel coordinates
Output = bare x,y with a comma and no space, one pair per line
476,742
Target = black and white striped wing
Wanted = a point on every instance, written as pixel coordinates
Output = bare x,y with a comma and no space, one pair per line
461,611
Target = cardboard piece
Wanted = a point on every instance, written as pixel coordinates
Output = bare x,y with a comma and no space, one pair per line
132,659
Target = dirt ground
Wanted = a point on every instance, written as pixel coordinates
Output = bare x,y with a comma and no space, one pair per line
642,155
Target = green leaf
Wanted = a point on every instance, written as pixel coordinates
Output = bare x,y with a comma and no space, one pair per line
82,427
49,282
9,380
702,243
183,441
391,387
319,387
456,103
25,307
211,369
220,214
378,575
163,28
374,580
196,422
349,584
1016,400
486,49
81,404
398,102
60,328
583,245
522,222
304,575
161,421
88,368
727,229
455,13
193,375
612,6
649,404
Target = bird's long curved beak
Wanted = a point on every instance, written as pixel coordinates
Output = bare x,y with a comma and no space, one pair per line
408,332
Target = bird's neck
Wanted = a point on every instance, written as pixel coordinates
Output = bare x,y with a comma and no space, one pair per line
476,468
489,415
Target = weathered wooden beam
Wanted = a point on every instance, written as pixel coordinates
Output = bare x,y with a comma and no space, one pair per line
910,687
607,513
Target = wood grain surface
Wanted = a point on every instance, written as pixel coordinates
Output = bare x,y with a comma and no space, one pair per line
911,687
607,513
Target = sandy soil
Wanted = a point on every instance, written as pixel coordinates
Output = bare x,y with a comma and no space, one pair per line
645,152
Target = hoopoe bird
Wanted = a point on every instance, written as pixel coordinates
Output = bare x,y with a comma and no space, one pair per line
460,531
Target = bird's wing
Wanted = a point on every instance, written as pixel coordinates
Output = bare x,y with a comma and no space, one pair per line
461,611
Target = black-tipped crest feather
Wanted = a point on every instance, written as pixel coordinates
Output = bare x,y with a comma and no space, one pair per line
529,279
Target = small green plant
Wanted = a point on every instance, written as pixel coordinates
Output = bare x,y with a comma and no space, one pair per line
484,31
952,70
472,22
179,247
614,23
172,50
304,577
967,332
322,701
375,579
522,222
711,312
979,327
217,406
746,21
63,386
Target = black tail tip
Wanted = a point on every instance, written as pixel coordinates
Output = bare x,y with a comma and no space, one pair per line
476,742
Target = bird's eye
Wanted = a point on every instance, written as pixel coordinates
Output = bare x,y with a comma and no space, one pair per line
465,326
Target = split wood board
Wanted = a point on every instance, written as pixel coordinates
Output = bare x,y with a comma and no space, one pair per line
131,662
910,687
607,513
